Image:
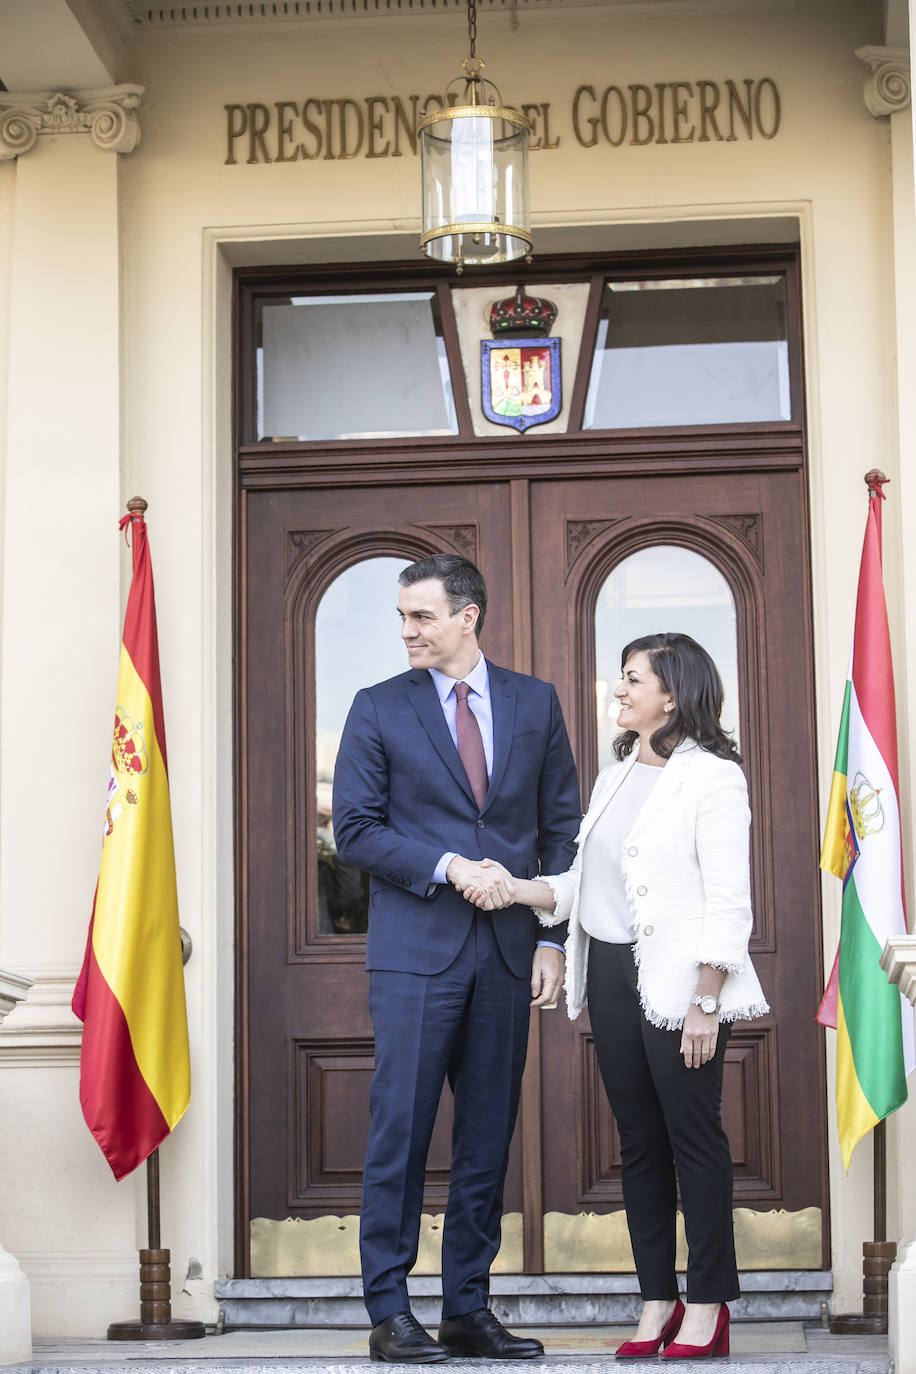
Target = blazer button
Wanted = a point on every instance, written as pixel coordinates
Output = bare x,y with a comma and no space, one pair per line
648,930
641,891
632,851
480,825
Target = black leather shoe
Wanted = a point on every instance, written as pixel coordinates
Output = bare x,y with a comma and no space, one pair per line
401,1340
481,1335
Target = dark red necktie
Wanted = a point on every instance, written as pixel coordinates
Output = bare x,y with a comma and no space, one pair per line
470,745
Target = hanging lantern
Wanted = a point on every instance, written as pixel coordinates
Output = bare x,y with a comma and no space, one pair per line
474,172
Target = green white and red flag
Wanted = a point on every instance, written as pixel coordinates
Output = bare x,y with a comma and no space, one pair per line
862,847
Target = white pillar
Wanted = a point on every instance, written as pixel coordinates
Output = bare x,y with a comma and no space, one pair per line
899,962
888,95
15,1295
61,550
62,569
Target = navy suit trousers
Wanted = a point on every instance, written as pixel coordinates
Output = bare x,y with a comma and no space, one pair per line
469,1024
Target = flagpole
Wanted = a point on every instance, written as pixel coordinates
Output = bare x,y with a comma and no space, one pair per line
155,1322
879,1254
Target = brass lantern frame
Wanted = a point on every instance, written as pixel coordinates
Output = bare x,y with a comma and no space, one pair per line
480,100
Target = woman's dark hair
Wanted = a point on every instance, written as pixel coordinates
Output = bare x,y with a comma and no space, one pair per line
461,580
685,669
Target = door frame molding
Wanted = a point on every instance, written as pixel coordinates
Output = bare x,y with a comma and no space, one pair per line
763,447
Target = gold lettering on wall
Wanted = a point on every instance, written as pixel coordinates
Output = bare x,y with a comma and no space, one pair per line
636,115
676,112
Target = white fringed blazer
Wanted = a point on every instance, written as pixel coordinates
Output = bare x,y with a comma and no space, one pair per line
686,869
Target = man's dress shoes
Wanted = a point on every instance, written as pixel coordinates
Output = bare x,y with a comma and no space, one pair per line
481,1335
401,1340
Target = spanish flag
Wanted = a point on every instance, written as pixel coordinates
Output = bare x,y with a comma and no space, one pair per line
862,847
135,1078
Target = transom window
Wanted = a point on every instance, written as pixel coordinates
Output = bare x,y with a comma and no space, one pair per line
353,367
705,351
351,359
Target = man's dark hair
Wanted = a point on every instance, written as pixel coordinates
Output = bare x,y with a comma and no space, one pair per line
461,581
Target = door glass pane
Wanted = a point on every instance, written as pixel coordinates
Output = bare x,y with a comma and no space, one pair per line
707,351
665,589
357,643
353,367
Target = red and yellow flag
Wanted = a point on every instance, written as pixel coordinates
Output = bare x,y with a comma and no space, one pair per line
135,1075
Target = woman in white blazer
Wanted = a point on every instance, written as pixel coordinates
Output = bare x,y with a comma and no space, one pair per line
659,912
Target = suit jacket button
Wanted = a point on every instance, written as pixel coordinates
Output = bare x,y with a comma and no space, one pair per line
641,891
648,930
480,825
632,851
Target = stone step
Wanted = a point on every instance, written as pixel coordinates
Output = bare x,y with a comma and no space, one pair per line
517,1299
757,1348
833,1363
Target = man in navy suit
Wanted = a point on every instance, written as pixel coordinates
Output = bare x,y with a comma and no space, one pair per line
423,793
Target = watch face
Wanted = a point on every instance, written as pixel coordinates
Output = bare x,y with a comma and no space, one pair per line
708,1005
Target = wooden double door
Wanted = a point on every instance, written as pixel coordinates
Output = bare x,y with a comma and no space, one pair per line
548,544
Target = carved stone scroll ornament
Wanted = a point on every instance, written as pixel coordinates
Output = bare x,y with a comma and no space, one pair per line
108,115
888,88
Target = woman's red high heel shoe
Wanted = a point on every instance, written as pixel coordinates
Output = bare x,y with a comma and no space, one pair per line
634,1350
717,1346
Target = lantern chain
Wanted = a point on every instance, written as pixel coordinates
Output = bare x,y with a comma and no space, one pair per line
472,29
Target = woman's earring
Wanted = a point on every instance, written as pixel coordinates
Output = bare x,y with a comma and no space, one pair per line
669,707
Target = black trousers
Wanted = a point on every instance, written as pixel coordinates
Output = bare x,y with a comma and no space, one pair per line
670,1126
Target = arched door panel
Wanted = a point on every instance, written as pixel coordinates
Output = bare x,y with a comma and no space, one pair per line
320,620
744,541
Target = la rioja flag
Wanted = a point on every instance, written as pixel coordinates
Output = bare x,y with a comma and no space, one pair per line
862,847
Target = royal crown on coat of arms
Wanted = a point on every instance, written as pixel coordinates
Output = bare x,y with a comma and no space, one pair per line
521,314
520,381
865,806
128,752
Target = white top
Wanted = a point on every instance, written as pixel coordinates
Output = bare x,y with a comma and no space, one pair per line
686,869
605,911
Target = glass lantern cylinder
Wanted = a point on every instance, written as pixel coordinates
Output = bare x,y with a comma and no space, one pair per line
474,170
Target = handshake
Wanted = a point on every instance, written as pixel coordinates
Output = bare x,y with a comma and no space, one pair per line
482,881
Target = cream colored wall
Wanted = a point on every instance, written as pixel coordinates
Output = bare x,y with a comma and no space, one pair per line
59,1209
184,215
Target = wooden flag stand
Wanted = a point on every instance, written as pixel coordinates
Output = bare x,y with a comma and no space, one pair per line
877,1257
155,1322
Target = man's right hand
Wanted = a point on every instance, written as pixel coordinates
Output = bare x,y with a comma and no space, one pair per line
484,882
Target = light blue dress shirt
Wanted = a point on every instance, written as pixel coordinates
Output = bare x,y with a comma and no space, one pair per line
478,679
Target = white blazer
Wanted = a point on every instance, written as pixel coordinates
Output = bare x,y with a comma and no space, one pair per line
686,869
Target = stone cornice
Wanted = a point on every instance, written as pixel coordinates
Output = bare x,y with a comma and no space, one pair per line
13,988
887,87
107,114
898,960
42,1029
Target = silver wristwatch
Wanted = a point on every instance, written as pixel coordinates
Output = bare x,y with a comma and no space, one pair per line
707,1003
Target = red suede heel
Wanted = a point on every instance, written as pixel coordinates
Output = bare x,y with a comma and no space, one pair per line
719,1344
635,1350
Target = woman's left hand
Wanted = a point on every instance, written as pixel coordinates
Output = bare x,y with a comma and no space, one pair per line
699,1037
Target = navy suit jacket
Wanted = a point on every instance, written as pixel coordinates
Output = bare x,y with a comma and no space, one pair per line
402,800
